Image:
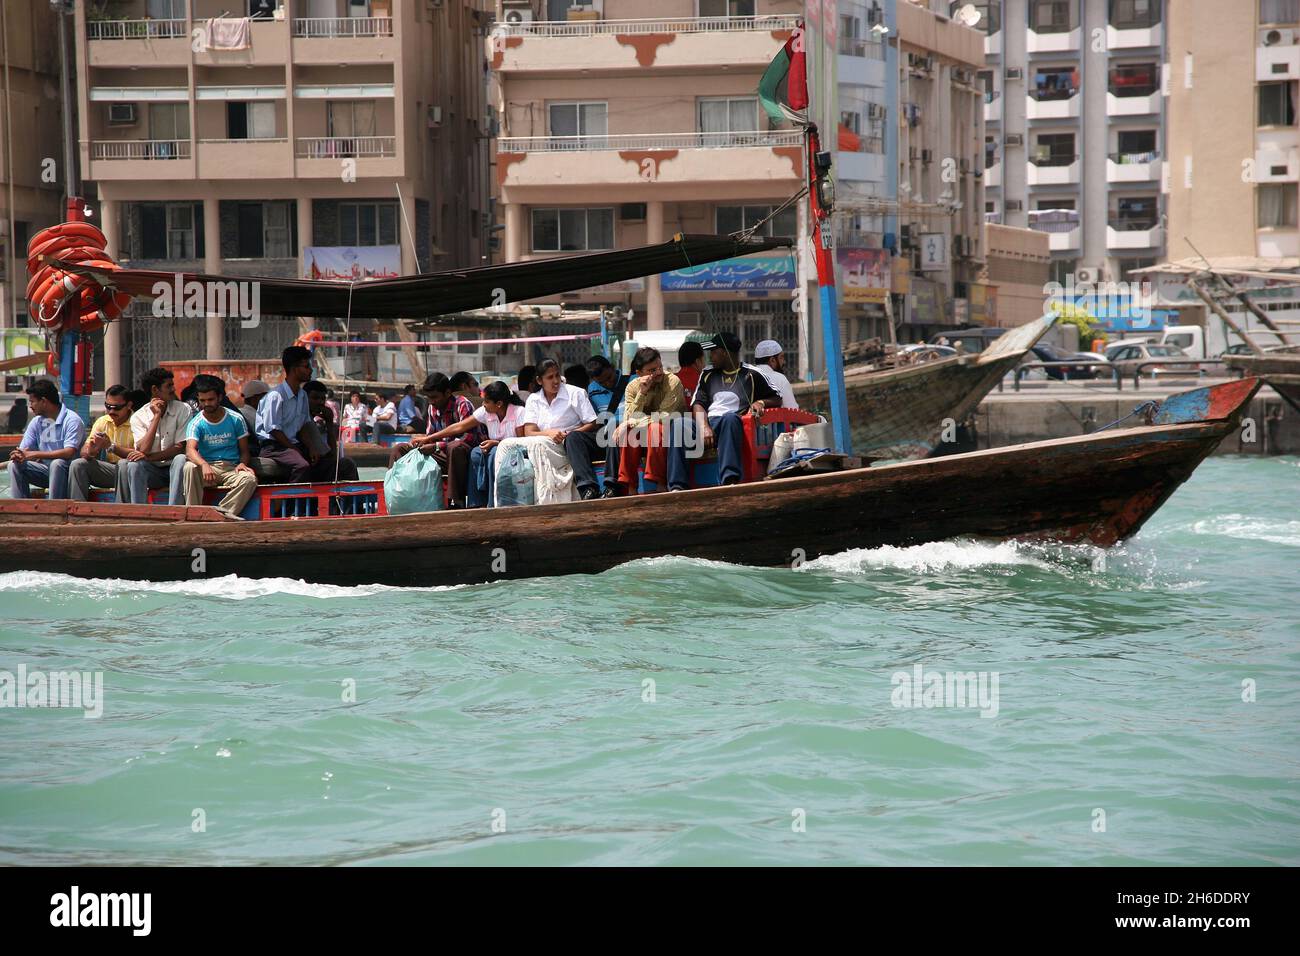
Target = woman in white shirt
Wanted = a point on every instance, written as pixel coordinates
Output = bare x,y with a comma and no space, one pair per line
502,413
564,414
355,417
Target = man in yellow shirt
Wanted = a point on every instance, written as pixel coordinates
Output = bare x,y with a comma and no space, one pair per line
110,434
652,398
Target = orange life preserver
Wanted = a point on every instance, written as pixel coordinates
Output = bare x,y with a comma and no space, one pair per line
61,299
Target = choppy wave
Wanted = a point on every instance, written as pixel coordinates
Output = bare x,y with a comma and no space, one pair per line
1251,528
229,587
929,558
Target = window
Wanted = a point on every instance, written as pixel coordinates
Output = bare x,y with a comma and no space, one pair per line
572,230
1279,11
1126,267
1277,104
1062,269
1134,79
169,230
1054,149
990,20
1134,213
1134,14
350,118
250,121
579,119
1276,205
1050,16
851,120
729,219
728,114
984,80
1055,83
368,224
990,152
264,231
726,8
168,124
1137,142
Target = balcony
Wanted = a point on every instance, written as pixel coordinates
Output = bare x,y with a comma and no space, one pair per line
1277,61
1052,170
1061,225
1275,163
1067,40
993,44
1142,232
132,43
993,175
1133,105
321,156
993,108
268,45
319,40
861,62
245,159
1134,37
140,159
677,166
1054,105
682,43
1133,167
1277,243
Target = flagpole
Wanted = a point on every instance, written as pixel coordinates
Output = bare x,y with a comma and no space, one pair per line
820,202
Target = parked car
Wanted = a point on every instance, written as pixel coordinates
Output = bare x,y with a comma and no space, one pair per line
969,341
1050,353
1127,357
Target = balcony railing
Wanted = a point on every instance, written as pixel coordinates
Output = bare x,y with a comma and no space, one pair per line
1059,159
1132,159
1133,223
584,28
246,139
318,27
561,144
134,29
862,46
140,149
346,147
1048,95
1054,220
1124,88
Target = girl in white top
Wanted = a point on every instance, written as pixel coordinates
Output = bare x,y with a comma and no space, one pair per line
355,414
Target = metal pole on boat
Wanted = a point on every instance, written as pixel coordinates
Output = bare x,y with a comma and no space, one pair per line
821,200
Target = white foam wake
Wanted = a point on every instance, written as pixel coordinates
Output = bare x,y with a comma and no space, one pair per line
228,587
928,558
1274,530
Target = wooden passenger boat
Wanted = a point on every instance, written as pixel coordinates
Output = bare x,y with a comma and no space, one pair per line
1097,489
1280,368
900,413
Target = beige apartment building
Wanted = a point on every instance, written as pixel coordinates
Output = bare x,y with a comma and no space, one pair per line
623,123
31,152
229,136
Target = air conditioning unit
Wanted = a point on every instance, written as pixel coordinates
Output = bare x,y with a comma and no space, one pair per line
1014,205
517,11
1015,73
927,155
1276,37
121,114
632,212
1015,139
1086,274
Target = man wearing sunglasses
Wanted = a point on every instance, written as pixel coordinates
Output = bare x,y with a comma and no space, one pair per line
111,437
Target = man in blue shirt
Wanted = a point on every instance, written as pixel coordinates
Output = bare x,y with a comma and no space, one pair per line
409,419
52,441
606,388
282,415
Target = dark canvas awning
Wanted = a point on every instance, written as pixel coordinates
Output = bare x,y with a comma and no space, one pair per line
423,296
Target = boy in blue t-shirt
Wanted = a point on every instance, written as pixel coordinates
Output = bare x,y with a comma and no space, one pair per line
216,451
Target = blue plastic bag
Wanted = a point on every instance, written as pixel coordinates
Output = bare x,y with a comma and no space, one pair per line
514,482
414,483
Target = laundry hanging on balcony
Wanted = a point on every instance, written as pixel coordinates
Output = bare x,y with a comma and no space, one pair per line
783,90
228,33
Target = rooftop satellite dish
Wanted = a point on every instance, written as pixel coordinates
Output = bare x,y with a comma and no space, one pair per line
968,15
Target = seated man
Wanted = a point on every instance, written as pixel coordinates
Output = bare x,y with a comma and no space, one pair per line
283,415
216,449
463,383
383,418
159,432
110,436
563,413
254,392
769,360
339,467
526,381
410,420
445,409
52,440
690,363
654,397
727,390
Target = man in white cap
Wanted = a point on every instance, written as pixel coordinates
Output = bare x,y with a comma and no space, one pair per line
770,361
253,392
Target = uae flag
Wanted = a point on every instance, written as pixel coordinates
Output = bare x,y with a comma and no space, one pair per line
783,90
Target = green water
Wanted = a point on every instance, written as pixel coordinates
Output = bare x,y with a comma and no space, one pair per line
524,705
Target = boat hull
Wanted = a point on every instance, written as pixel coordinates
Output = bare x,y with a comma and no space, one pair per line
1279,370
1096,489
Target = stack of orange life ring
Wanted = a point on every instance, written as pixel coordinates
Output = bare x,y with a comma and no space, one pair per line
88,304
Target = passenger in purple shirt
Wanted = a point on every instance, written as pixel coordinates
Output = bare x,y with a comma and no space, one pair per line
52,441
